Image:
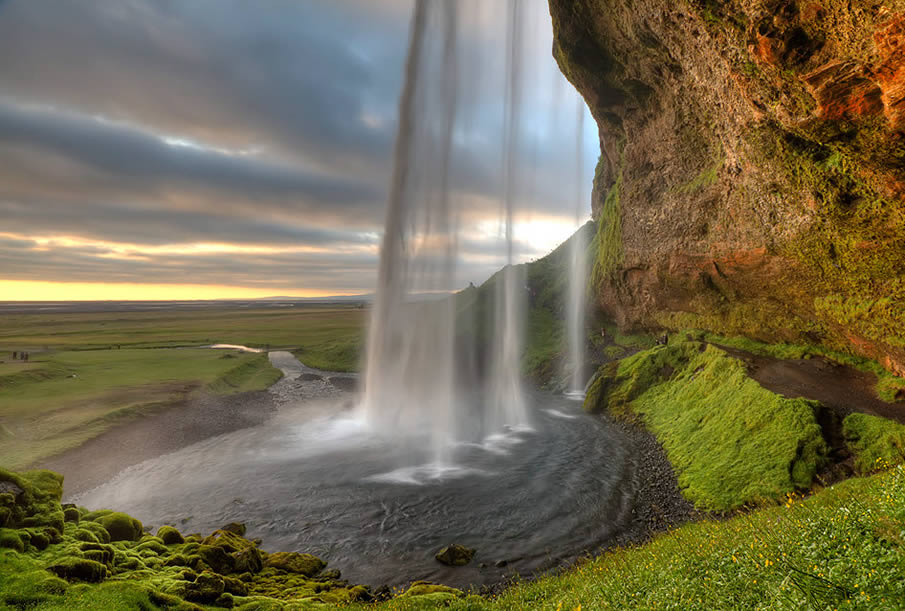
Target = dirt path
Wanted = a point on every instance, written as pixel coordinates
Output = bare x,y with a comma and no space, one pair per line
839,387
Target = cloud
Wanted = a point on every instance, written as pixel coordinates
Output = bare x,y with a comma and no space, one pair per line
196,121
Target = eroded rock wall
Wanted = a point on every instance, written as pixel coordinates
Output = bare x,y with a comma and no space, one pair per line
752,175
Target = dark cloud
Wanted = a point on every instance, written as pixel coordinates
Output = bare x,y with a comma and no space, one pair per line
180,121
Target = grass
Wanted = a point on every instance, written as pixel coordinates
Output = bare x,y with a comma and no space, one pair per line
839,549
91,371
732,442
874,441
60,400
311,329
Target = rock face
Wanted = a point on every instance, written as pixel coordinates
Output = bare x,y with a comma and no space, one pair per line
752,175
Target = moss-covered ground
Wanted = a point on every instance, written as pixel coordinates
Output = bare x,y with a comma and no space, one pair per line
732,442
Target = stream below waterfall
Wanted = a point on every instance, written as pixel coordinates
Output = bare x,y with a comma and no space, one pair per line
315,479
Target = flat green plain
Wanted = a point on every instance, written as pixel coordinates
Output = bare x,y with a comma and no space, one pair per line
90,371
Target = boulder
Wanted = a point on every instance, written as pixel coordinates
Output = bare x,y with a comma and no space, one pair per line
292,562
455,555
170,536
79,569
237,528
206,588
120,526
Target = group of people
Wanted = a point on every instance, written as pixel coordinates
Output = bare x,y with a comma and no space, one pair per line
20,356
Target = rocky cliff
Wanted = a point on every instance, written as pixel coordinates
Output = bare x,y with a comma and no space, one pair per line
752,174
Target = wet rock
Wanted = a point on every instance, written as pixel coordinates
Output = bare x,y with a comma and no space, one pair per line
310,377
343,383
237,528
500,563
455,555
292,562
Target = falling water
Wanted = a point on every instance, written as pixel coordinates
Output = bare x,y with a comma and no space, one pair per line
412,377
577,272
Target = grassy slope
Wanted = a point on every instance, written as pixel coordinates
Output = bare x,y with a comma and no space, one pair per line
46,410
731,441
874,441
842,548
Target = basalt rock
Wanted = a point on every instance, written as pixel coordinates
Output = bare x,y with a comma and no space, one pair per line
752,175
455,555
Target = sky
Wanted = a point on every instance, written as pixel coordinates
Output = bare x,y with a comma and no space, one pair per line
180,149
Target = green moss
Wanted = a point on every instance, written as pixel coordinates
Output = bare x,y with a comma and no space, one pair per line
10,539
609,236
731,441
303,564
79,569
705,178
170,536
432,591
876,443
120,526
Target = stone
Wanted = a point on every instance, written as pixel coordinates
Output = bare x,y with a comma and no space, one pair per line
170,536
79,569
292,562
455,555
237,528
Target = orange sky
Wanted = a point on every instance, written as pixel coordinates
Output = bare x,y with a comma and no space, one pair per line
14,290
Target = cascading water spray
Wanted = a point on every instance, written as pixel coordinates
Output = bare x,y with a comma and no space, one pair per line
412,369
577,272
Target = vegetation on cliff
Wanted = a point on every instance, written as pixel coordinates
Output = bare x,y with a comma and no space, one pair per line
758,155
731,442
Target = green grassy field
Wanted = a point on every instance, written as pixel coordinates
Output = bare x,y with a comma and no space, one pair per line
329,333
90,371
59,400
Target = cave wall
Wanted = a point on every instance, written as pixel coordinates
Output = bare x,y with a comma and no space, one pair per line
752,170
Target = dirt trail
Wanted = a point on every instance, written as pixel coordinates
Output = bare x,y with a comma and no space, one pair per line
839,387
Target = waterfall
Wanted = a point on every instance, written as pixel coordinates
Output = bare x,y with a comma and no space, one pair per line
412,382
578,272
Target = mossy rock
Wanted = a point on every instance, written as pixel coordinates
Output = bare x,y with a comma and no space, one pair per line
153,544
38,539
10,539
432,591
455,555
98,552
248,561
100,533
170,536
121,526
235,586
237,528
216,558
79,569
83,534
71,514
292,562
206,588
